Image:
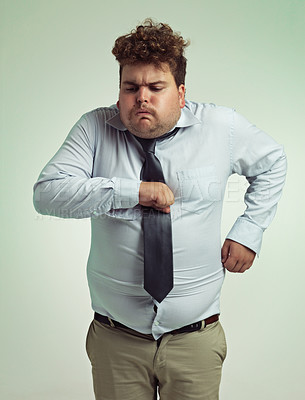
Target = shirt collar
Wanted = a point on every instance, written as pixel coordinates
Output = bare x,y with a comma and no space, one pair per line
187,118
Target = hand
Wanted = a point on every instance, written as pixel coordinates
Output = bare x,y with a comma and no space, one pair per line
156,195
235,257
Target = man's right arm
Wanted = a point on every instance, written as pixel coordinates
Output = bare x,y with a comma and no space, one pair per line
66,188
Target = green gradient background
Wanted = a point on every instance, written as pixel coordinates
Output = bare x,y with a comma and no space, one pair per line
56,64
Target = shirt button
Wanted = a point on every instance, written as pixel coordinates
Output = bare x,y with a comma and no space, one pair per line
156,323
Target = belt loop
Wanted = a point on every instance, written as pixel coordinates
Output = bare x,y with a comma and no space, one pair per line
111,322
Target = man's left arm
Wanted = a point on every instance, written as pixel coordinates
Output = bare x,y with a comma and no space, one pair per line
263,162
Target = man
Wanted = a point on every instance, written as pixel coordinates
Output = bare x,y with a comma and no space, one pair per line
140,343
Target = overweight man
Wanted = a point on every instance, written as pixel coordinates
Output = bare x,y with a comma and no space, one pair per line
151,173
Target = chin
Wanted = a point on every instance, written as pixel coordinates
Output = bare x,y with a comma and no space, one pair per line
146,135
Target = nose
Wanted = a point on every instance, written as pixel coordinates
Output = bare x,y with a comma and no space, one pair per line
142,95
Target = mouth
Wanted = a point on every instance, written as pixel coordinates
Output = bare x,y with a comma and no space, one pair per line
143,113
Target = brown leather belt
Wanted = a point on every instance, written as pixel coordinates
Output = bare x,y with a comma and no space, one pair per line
188,328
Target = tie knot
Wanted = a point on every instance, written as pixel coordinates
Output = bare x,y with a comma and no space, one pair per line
148,145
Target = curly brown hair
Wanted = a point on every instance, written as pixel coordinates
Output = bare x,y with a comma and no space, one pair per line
153,43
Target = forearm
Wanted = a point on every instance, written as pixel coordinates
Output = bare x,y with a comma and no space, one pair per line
70,187
75,197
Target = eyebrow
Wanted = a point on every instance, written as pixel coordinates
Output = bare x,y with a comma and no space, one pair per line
148,84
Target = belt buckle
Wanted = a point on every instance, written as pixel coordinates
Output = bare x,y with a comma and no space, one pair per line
196,326
190,328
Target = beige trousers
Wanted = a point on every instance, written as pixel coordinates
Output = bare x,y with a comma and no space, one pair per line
127,365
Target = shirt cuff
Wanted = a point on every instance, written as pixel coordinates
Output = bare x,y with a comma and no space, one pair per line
247,233
126,193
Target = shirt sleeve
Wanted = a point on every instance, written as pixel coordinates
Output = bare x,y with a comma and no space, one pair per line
66,187
262,161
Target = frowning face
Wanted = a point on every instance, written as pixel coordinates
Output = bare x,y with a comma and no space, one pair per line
150,102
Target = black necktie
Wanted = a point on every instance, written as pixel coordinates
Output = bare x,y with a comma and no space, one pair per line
157,229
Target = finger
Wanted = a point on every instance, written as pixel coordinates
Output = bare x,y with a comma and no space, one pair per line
169,197
225,251
165,197
242,267
239,267
161,202
230,264
165,209
246,266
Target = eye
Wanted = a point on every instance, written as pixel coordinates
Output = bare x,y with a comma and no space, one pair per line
156,88
131,89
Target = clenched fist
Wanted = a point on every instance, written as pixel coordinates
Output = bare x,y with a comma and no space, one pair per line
235,257
156,195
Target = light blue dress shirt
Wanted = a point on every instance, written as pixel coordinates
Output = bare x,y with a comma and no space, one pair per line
96,174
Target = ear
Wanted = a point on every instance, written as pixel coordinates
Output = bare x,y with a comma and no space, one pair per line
118,104
181,91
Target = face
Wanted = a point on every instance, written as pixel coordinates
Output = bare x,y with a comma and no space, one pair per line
150,102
